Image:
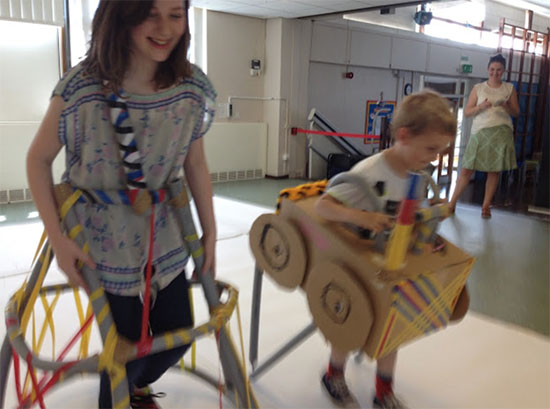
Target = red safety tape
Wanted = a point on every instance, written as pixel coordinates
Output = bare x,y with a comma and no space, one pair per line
17,375
55,377
34,383
294,131
148,274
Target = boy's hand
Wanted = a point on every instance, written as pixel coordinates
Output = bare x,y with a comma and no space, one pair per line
374,221
68,254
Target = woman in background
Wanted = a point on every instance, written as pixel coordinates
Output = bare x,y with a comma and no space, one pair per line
491,146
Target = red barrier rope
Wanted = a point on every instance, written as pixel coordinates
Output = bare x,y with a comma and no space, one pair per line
295,131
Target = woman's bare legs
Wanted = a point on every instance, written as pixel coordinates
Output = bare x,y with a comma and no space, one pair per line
490,188
461,183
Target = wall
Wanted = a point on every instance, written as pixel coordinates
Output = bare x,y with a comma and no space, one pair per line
27,79
296,53
516,16
232,42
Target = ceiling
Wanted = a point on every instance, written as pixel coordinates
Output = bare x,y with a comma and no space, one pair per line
306,8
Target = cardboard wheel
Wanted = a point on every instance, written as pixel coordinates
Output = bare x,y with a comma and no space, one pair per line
340,306
279,249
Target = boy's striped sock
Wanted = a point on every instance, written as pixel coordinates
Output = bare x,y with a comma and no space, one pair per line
333,370
383,386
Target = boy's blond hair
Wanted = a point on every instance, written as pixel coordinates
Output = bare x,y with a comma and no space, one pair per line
423,112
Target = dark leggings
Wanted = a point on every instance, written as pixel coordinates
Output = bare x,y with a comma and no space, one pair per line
170,311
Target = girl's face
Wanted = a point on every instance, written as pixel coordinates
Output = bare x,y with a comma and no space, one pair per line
496,70
155,38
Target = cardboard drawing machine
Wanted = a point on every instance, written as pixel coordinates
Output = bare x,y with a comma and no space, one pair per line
363,294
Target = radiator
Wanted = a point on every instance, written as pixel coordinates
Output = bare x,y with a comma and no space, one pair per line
236,151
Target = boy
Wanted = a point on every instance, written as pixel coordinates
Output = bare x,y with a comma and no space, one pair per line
422,127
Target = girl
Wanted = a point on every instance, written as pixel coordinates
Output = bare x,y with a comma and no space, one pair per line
137,65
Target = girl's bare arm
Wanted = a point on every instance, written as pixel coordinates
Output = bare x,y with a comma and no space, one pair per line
198,178
42,152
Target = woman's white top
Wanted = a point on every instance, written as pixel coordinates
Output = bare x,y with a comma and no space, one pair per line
496,115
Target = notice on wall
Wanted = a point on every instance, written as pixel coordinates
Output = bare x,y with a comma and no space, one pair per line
376,110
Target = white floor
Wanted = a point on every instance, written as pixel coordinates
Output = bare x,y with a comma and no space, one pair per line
479,363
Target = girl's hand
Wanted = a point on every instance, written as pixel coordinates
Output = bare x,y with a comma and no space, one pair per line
374,221
485,105
68,255
209,244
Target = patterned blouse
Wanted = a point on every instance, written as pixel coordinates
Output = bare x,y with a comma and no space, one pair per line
165,124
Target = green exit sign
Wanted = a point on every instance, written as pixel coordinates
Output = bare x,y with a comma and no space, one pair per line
466,68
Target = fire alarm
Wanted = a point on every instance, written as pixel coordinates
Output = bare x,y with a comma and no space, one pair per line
349,75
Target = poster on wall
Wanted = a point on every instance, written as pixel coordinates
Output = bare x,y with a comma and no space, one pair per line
376,110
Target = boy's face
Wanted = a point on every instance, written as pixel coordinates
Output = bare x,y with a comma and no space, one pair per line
419,150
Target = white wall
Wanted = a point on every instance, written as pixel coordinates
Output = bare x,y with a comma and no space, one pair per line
28,73
232,42
494,11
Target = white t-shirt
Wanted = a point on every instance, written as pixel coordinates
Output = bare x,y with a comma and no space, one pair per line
496,115
377,173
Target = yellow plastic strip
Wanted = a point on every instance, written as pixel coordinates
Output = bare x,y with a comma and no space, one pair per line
106,358
198,252
194,344
18,296
78,304
85,343
40,244
102,314
71,200
243,358
96,294
75,231
35,290
48,309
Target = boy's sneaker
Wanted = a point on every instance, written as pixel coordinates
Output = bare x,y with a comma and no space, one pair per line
338,391
388,402
144,398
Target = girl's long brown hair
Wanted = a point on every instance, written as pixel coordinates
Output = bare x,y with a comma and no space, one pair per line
108,57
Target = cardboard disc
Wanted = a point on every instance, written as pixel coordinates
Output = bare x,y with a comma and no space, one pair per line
340,306
279,249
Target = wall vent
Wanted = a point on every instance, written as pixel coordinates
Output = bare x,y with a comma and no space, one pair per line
15,196
235,175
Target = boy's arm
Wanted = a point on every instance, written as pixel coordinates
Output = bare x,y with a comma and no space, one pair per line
42,152
198,179
331,209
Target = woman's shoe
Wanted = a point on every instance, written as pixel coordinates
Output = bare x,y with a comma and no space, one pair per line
486,212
